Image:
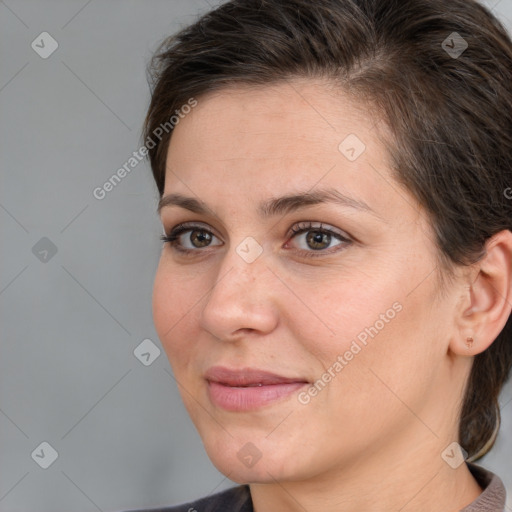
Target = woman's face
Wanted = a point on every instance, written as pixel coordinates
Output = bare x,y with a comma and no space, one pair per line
348,300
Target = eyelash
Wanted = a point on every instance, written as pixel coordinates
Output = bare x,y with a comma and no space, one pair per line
303,227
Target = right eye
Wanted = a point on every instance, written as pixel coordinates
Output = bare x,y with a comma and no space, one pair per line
198,238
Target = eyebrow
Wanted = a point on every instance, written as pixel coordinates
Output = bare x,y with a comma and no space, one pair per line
274,206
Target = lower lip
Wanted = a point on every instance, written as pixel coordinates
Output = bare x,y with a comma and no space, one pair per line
249,398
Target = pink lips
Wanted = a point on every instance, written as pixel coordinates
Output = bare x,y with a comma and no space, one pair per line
248,389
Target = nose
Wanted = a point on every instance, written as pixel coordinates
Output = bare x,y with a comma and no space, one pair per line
242,300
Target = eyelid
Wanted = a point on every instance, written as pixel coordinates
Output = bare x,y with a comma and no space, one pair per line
190,225
301,226
297,227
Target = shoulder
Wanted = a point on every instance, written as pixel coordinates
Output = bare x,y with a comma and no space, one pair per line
236,499
493,496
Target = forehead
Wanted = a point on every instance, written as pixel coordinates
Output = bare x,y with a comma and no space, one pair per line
267,141
252,121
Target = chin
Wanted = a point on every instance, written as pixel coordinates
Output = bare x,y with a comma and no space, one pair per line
248,476
244,461
230,466
241,448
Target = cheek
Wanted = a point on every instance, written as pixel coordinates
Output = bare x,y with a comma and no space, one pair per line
343,309
395,363
173,310
162,304
370,333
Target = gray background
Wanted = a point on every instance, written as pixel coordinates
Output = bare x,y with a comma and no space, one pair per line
70,323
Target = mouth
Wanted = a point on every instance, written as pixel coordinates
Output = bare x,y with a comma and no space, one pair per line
247,388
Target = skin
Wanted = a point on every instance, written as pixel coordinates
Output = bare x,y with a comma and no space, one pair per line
372,439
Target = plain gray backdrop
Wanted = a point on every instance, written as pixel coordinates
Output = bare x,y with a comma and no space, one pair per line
77,272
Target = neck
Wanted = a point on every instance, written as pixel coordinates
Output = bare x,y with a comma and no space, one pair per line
419,480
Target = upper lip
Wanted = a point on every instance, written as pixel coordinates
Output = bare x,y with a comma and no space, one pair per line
247,377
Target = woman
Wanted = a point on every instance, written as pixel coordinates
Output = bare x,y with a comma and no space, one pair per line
335,287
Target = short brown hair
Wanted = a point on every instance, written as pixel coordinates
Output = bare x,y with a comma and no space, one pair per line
450,115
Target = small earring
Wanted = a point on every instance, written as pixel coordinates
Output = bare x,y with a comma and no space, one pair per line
469,342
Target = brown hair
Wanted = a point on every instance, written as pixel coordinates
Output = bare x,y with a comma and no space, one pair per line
450,116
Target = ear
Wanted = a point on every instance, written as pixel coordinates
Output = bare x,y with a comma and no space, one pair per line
487,302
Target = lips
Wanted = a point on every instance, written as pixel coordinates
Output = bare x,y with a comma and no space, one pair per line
247,388
247,377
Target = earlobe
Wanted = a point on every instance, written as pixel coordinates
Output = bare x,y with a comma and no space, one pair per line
488,298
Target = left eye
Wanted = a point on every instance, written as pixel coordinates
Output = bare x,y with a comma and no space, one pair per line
317,238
